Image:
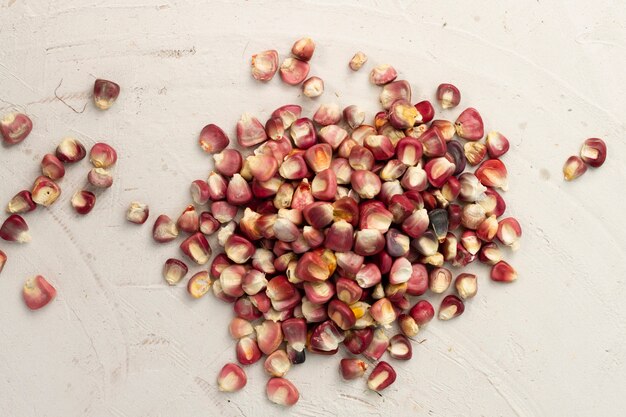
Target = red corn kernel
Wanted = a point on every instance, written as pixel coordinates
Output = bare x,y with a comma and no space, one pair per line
189,221
285,230
265,189
348,290
503,272
83,201
366,183
357,340
340,313
280,289
466,285
282,392
455,212
313,237
274,128
396,90
416,224
15,127
490,254
475,152
326,337
264,65
471,188
238,192
422,312
407,325
324,185
293,71
102,155
231,279
409,151
231,378
382,311
228,162
488,229
439,280
220,262
22,202
438,170
463,257
200,192
418,281
357,61
352,368
269,336
331,133
105,93
174,271
383,74
361,158
247,351
374,215
593,152
403,115
137,213
354,116
448,96
254,280
340,236
45,191
426,111
197,248
446,128
400,347
70,150
238,249
493,173
100,178
52,167
15,229
470,241
284,196
360,133
368,242
303,49
473,215
346,208
223,211
294,167
451,307
244,307
381,377
574,167
319,157
199,284
263,260
318,214
401,271
37,292
381,147
433,143
313,87
312,267
415,179
469,125
250,131
288,114
497,144
349,263
303,133
213,139
378,346
217,186
401,207
277,364
262,167
3,260
319,292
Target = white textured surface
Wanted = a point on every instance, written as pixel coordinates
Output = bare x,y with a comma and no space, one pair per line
118,342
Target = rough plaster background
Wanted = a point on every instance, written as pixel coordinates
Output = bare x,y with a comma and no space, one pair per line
118,342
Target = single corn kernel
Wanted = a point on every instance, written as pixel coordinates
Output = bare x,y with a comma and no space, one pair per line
396,90
313,87
383,312
303,49
326,337
100,178
324,185
223,211
238,192
319,157
438,170
22,202
407,325
199,190
199,284
330,114
70,150
318,214
197,248
164,229
254,281
574,167
448,96
509,232
277,364
247,351
357,61
37,292
102,155
352,368
439,280
357,340
83,201
368,242
45,191
295,333
189,220
593,152
340,313
409,151
105,93
250,131
15,229
497,144
416,224
470,241
15,127
174,271
400,347
451,307
312,267
238,249
472,216
244,308
279,288
488,229
493,173
456,152
466,285
471,189
469,125
381,377
490,254
213,139
475,152
282,392
383,74
293,71
354,116
401,271
264,65
52,167
231,378
269,336
427,244
366,183
503,272
422,312
415,179
381,147
403,115
217,186
137,213
340,236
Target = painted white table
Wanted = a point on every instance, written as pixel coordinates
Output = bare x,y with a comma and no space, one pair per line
118,342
